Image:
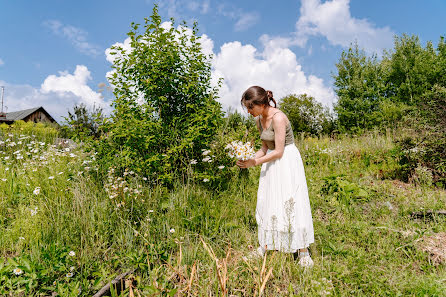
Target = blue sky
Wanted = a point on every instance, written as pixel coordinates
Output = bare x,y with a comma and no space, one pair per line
53,53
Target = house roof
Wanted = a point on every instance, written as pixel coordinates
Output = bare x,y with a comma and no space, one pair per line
21,114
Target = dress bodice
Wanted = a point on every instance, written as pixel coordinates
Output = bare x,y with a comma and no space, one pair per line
268,136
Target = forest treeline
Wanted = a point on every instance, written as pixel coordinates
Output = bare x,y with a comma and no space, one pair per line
405,87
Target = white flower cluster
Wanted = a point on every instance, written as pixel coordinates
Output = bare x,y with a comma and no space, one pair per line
240,150
119,189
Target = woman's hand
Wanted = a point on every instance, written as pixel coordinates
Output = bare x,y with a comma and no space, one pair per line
246,164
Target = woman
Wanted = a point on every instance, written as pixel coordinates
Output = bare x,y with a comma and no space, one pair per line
283,212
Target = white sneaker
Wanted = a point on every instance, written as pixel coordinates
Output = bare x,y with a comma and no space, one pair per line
306,261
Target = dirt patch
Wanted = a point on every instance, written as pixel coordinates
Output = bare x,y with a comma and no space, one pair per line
435,245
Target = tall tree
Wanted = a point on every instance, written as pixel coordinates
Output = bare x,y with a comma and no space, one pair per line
360,88
165,107
411,69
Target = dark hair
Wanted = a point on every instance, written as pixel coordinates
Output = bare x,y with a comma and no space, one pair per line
256,95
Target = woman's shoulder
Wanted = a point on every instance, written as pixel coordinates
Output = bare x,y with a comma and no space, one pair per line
279,115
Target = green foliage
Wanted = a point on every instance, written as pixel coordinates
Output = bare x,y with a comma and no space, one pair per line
165,108
426,146
41,131
307,115
360,87
157,231
342,190
410,69
82,123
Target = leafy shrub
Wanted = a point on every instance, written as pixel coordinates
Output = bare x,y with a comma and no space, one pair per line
425,147
83,123
165,108
306,114
342,190
39,131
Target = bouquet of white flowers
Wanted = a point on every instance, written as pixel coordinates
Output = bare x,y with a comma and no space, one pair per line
241,151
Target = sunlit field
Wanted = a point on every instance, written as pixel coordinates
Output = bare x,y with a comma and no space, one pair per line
68,230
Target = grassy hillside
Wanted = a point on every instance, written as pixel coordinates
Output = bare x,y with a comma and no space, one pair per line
65,229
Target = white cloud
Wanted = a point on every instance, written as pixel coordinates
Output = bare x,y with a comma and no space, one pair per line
175,8
57,94
75,36
205,6
1,62
333,20
275,68
67,84
246,20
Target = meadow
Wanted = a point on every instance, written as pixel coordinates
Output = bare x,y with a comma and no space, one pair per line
66,230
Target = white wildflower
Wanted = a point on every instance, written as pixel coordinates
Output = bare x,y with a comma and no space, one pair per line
172,230
71,254
36,191
221,167
17,271
205,180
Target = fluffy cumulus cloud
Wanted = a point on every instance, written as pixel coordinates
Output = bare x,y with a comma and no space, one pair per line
66,85
274,67
57,94
333,20
76,36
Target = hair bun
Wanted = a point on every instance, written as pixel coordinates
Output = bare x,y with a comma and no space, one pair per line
269,94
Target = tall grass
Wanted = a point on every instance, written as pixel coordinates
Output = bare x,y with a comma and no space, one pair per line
193,241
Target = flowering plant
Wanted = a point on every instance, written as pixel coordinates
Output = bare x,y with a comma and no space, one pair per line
241,151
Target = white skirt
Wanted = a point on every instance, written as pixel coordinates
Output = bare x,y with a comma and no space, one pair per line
283,212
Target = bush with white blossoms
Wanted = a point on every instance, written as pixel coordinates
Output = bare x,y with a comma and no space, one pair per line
240,150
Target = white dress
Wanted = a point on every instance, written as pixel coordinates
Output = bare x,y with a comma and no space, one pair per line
283,211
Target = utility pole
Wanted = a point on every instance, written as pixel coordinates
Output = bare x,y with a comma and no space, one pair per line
2,114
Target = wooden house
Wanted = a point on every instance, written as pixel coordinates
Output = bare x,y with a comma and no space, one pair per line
37,114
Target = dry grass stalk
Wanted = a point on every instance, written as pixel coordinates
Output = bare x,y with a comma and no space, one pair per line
263,276
129,284
222,269
191,279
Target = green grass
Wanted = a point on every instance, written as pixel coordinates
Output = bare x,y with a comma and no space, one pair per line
366,242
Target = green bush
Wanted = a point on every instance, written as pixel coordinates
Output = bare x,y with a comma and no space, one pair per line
165,110
82,123
307,115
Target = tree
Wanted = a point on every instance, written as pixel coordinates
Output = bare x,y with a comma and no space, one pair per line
83,123
306,114
411,69
165,110
360,89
